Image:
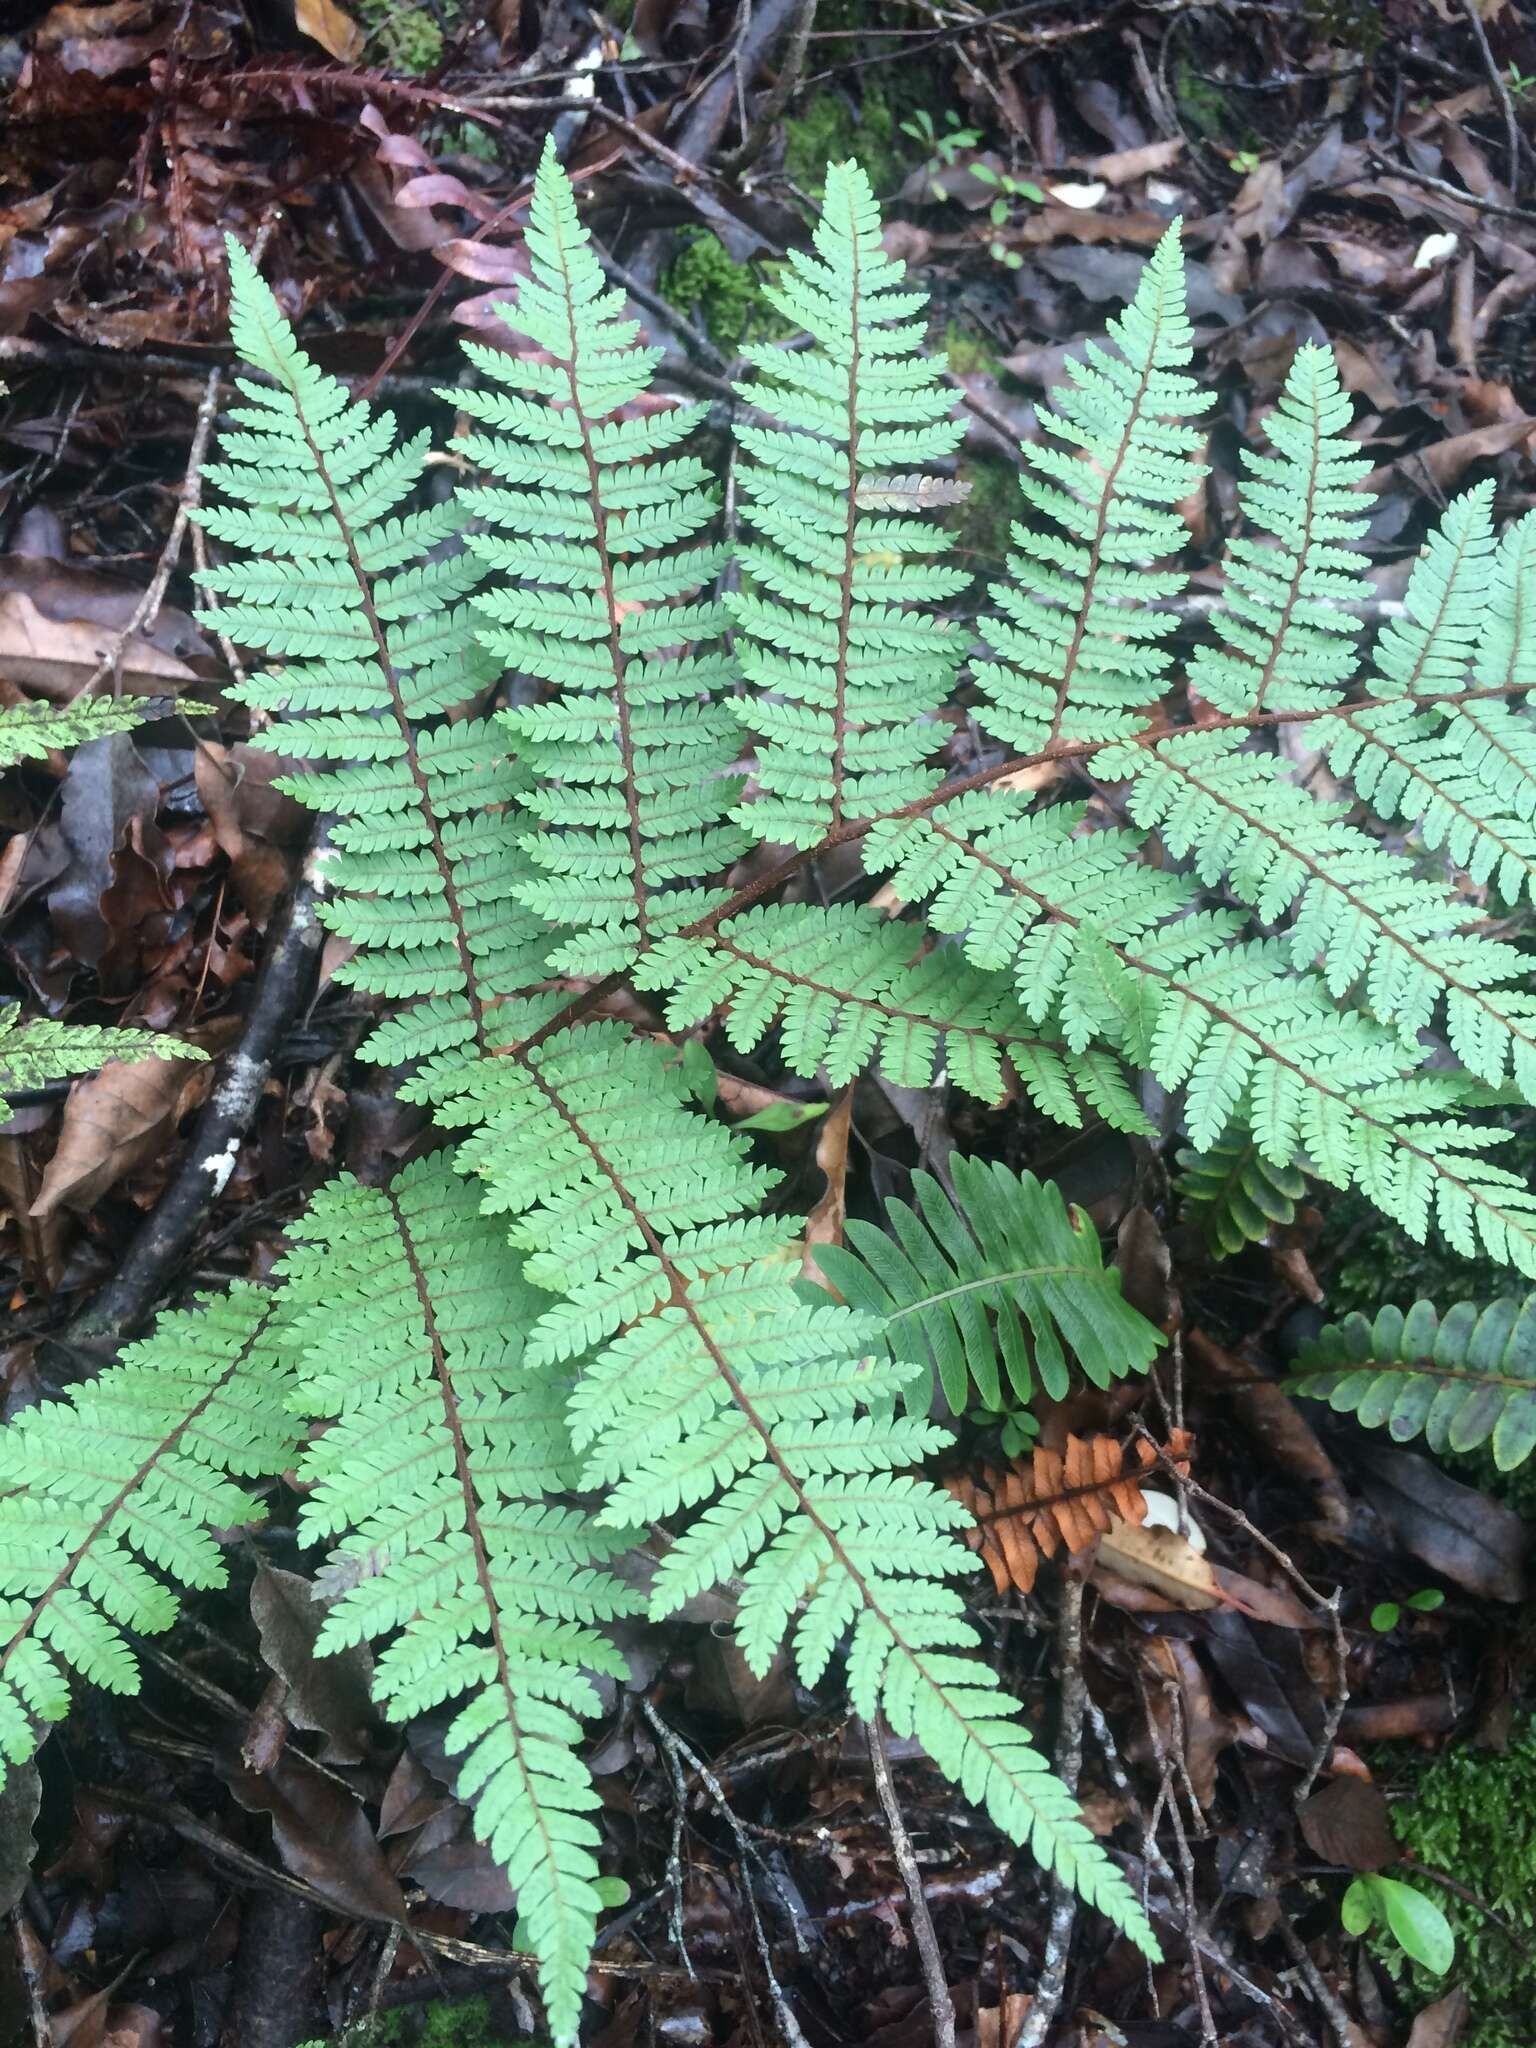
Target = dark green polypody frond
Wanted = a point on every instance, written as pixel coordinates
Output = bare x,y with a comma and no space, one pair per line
838,631
1235,1195
846,987
597,596
443,1471
29,731
111,1501
36,1050
716,1396
1004,1270
359,599
1078,638
1463,1379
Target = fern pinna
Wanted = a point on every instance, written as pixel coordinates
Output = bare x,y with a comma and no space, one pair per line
546,725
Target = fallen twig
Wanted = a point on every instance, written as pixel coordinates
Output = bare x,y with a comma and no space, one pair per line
941,2007
1072,1698
282,986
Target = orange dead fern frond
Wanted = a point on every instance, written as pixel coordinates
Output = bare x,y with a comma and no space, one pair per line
1055,1500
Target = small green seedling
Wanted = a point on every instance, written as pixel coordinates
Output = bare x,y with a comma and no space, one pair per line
1017,1428
1386,1616
1416,1923
942,144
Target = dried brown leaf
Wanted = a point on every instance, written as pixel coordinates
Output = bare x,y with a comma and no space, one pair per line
1051,1501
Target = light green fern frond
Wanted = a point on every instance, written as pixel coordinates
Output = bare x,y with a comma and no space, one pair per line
111,1499
1464,1379
1282,640
440,1471
597,596
715,1395
29,731
36,1050
838,631
1466,608
846,988
1079,644
1003,1268
360,600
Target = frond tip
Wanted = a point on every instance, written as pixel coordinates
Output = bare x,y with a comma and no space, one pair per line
1464,1379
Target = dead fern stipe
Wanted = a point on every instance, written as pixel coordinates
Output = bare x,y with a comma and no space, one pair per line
582,1315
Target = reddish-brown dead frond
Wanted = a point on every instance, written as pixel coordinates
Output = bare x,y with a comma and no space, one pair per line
1054,1501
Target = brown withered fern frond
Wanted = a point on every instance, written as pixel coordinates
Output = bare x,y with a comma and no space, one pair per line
1055,1501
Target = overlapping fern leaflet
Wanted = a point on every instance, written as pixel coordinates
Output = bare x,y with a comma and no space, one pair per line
1078,643
361,606
838,631
847,988
111,1497
598,596
1361,911
437,1472
1002,1273
715,1392
1464,1379
29,731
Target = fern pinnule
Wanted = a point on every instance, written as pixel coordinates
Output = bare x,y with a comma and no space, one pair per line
28,731
111,1499
599,596
838,632
361,599
1078,638
441,1471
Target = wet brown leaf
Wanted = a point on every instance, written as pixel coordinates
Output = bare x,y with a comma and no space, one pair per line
322,1836
329,1695
1442,2024
118,1121
1350,1823
1452,1528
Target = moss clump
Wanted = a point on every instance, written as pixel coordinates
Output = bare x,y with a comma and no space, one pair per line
703,278
984,522
829,129
1472,1814
402,36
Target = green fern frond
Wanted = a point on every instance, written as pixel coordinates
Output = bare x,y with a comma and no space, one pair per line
597,595
1097,953
111,1500
1079,642
837,629
1464,1379
714,1392
441,1470
846,987
361,599
36,1050
1466,608
1285,641
1003,1268
1357,909
29,731
1235,1195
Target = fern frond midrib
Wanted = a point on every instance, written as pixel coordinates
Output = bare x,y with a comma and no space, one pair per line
472,1524
124,1494
1425,1368
1361,904
1010,881
850,527
402,719
988,1283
